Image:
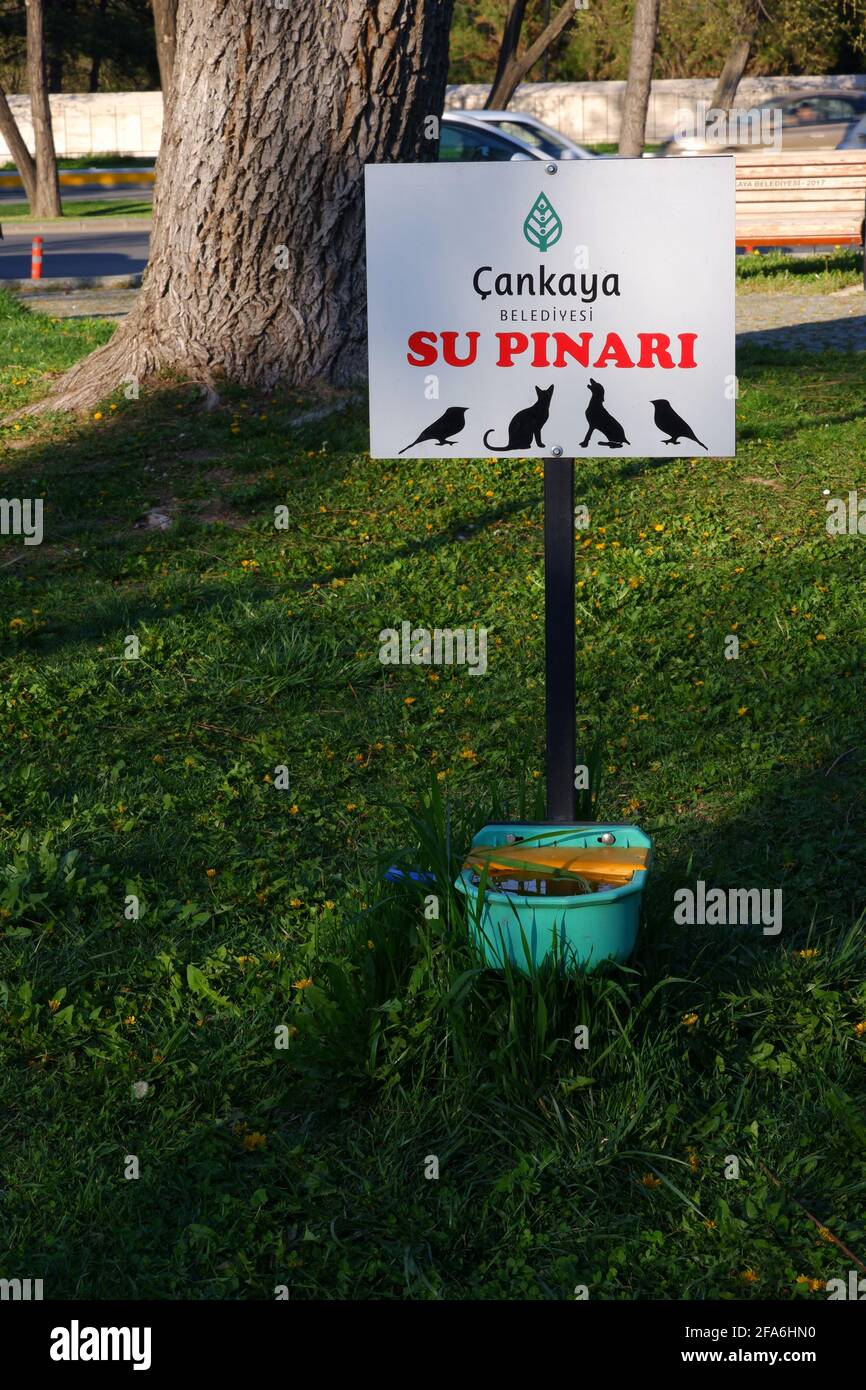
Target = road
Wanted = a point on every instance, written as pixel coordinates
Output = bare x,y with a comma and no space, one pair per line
74,253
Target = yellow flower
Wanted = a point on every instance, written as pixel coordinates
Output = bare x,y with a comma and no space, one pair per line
158,758
650,1180
813,1285
294,902
254,1141
351,806
659,526
693,1160
469,755
409,700
16,623
211,873
825,1233
293,809
710,1225
860,1028
329,905
689,1020
749,1276
303,984
98,415
130,1022
54,1005
744,709
809,953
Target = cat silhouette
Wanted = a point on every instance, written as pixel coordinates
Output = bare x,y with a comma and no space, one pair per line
526,426
600,419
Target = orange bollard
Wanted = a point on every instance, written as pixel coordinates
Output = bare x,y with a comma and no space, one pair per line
36,259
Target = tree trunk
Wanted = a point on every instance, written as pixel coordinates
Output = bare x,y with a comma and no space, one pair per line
165,25
640,71
507,49
46,202
23,159
511,70
96,60
735,63
256,271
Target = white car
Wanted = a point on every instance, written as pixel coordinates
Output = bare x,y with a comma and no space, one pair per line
463,138
534,133
540,140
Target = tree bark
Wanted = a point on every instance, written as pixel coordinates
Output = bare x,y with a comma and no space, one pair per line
256,271
46,202
165,25
640,71
512,69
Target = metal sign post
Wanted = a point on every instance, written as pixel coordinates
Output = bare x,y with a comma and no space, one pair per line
560,669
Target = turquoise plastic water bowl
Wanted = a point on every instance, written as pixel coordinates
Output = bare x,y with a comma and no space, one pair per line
582,930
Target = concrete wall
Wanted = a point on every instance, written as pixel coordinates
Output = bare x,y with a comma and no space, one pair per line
131,122
590,111
99,123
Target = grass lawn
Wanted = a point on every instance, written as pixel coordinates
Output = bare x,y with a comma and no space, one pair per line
95,161
87,207
155,779
778,272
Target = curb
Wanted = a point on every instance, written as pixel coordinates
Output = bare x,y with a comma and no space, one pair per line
81,282
77,224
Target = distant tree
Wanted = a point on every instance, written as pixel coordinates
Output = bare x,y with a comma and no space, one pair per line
694,38
91,45
640,71
512,66
165,24
39,170
746,24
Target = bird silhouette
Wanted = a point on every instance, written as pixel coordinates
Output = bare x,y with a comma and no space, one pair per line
451,422
674,425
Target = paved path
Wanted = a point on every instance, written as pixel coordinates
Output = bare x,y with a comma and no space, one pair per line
82,304
806,322
99,252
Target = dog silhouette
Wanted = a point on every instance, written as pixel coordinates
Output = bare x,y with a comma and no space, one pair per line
600,419
451,422
674,425
526,425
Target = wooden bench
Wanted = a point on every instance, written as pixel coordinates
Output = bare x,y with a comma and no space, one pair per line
801,198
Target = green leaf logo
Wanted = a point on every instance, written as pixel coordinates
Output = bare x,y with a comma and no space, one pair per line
542,227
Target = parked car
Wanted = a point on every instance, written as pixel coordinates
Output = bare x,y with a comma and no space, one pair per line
463,137
810,121
534,133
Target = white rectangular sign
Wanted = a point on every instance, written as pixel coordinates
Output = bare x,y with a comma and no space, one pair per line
587,311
